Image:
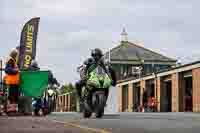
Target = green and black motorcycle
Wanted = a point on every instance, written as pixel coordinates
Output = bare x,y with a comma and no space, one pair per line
95,92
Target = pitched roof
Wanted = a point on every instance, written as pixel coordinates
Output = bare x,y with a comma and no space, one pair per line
128,51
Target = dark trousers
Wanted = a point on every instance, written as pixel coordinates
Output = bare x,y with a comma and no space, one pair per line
13,93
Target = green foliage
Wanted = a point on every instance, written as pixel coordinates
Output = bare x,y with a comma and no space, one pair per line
2,100
67,88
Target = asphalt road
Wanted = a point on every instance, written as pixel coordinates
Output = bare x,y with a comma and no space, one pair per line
110,123
135,122
35,125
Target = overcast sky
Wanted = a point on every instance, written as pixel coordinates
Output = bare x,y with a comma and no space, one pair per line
70,28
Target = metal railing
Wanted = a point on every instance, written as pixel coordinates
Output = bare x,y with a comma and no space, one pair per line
66,103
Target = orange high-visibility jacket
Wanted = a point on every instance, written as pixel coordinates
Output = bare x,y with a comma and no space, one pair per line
12,79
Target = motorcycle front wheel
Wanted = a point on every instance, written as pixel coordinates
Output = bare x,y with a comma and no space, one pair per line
100,104
87,112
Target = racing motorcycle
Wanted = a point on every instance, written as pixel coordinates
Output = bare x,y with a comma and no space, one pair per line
95,92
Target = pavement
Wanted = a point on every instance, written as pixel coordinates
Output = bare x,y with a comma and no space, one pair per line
71,122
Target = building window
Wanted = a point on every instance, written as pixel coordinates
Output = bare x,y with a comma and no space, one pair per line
148,68
121,70
136,70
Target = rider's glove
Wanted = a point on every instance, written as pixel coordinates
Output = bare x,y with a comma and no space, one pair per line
113,83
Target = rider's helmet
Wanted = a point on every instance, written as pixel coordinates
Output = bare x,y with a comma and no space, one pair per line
97,54
34,63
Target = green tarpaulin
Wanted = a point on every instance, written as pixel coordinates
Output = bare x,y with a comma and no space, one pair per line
33,83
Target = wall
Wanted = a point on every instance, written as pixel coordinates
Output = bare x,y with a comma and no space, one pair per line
158,93
181,93
175,88
196,89
142,89
130,97
112,101
119,89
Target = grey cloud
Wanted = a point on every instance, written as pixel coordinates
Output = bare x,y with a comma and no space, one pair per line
69,29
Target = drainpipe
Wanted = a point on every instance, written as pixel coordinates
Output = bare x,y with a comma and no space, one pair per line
156,90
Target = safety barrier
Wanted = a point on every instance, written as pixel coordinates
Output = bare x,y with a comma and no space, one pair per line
66,103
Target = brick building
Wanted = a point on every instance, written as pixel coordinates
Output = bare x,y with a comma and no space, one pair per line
128,56
176,89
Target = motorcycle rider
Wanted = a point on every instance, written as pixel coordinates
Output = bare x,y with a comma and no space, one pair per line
34,66
51,92
96,59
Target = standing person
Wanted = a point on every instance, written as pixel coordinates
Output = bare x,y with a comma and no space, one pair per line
34,66
145,99
25,104
12,77
52,80
38,101
51,93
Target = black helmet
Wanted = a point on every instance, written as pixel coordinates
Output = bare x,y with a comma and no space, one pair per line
97,53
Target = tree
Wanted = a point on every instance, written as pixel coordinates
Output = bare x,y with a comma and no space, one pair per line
67,88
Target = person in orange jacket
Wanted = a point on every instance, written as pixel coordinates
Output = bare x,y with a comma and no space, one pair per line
12,77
